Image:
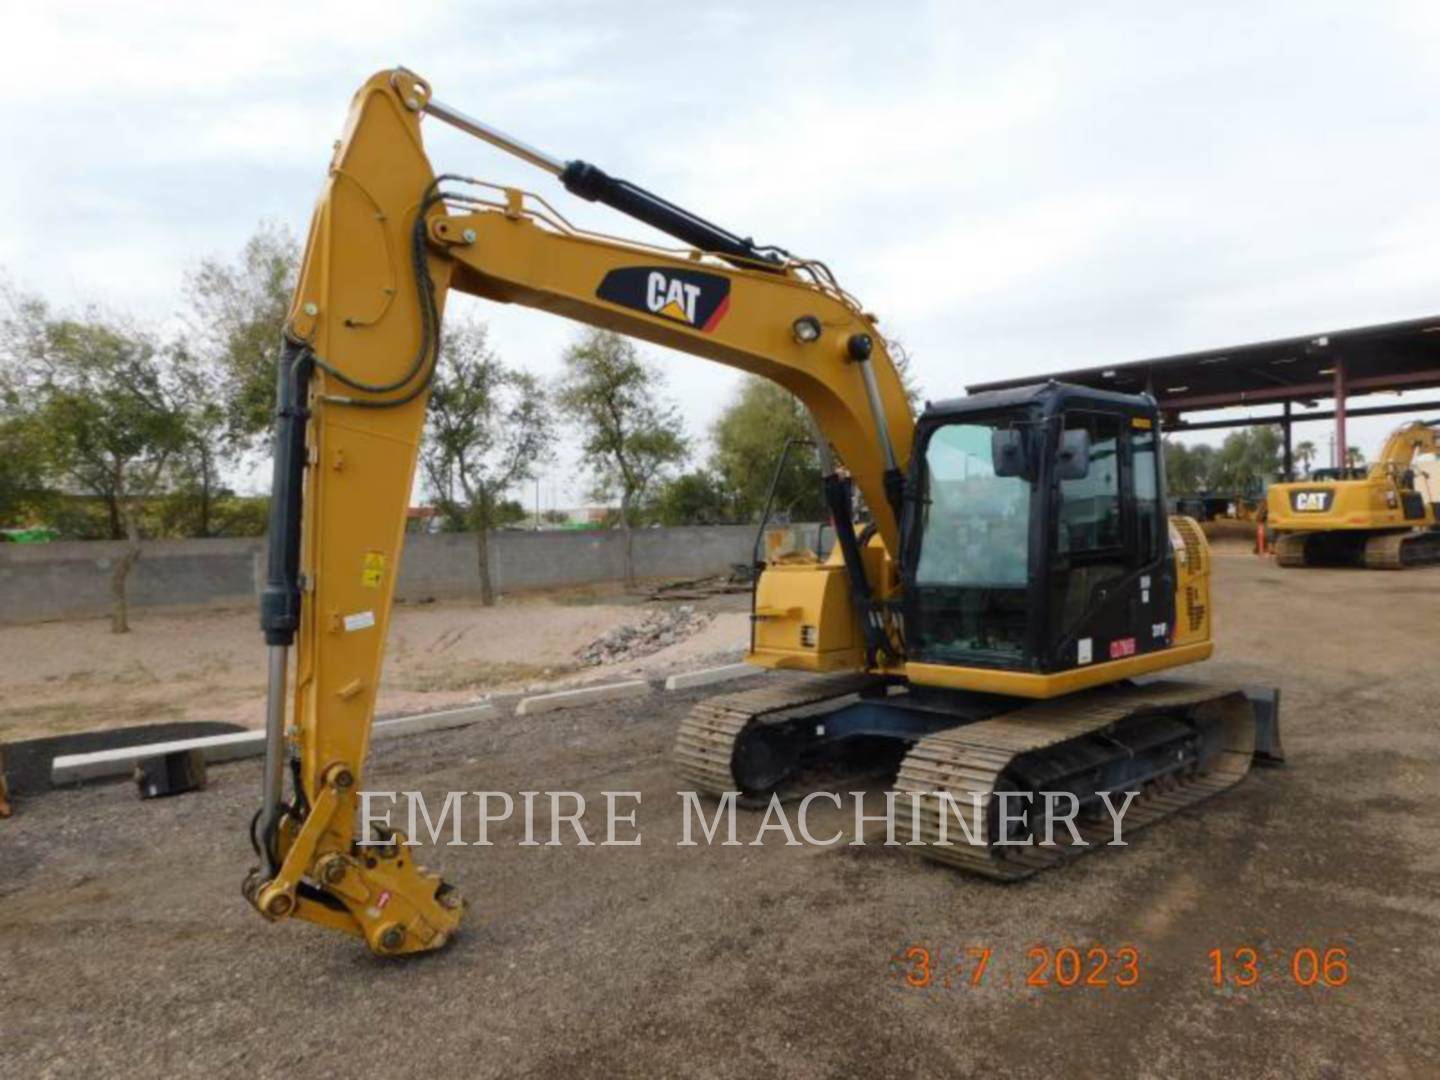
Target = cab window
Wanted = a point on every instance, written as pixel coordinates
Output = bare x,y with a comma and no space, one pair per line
1090,520
1148,522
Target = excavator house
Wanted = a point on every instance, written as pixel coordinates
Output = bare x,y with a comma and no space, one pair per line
1003,592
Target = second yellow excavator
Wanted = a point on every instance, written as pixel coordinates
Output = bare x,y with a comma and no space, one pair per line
1004,575
1385,519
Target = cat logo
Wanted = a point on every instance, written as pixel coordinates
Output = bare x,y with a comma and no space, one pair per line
1310,502
689,297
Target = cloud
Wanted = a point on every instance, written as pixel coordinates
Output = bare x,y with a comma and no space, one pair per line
1013,189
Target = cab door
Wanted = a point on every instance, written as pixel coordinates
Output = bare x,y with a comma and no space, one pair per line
1111,589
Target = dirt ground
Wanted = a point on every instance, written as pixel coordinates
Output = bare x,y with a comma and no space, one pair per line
75,675
125,948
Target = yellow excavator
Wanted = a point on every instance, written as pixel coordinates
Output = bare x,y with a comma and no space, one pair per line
1003,587
1385,519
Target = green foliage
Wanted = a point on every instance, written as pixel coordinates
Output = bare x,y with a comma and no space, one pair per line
110,418
1187,468
488,428
749,438
1246,460
630,437
1242,465
508,512
693,498
186,512
22,495
237,320
1305,455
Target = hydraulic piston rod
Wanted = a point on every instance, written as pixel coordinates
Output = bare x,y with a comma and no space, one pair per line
595,185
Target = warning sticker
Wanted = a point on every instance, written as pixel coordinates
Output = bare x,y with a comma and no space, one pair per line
374,569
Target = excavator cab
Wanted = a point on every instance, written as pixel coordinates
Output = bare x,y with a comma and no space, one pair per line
1036,536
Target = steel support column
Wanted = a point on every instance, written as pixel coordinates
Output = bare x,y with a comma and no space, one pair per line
1341,452
1289,460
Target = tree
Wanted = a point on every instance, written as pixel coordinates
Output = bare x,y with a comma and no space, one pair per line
630,436
904,361
20,465
112,426
21,338
509,512
208,446
1187,468
1246,459
1304,454
237,322
487,429
693,498
749,438
1354,458
224,371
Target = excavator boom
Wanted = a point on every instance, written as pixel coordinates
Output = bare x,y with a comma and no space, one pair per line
387,241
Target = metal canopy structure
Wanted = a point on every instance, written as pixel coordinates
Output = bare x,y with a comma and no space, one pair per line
1338,366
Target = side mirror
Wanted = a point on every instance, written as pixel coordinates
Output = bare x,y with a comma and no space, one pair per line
1007,452
1072,460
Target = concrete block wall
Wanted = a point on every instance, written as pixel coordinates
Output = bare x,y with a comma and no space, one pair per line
72,579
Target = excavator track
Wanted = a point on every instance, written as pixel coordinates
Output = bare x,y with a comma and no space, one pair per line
1374,551
706,741
1398,551
1290,549
975,761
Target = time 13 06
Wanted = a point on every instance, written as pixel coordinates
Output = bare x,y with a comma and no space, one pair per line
1305,966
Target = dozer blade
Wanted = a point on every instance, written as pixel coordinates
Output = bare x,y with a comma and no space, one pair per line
1175,743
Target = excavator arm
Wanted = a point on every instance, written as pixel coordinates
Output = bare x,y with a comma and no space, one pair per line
1404,445
387,241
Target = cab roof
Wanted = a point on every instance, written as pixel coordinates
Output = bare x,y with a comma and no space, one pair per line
1051,396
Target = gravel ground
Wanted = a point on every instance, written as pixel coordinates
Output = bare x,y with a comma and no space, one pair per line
125,948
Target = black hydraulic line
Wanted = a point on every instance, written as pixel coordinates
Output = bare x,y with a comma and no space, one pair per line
838,490
594,184
280,599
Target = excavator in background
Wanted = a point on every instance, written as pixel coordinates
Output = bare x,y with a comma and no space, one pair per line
1003,588
1385,519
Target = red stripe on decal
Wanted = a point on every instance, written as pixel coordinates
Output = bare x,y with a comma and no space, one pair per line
714,320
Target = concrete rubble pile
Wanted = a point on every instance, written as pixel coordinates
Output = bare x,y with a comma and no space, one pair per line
659,629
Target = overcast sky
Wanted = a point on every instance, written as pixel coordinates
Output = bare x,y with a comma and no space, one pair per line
1014,189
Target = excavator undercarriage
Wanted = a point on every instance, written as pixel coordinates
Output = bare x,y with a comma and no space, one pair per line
961,756
1371,550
